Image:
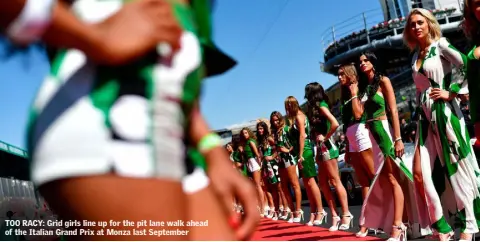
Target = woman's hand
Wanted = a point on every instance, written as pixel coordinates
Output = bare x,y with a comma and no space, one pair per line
399,148
300,161
269,158
320,138
228,183
137,28
353,88
440,94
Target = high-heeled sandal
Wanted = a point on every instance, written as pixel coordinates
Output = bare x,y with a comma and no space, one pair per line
271,212
290,214
298,219
310,223
280,212
286,212
266,211
347,225
402,236
323,218
315,221
275,215
359,234
335,223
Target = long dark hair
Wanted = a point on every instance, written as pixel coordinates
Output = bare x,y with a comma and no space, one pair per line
263,139
314,93
378,74
471,26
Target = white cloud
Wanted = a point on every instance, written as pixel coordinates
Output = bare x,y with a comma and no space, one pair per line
241,124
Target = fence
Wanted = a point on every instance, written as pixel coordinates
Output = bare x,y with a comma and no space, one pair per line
19,200
369,26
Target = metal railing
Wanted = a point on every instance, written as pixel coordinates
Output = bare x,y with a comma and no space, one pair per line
369,26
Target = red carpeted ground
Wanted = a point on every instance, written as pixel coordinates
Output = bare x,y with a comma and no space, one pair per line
281,230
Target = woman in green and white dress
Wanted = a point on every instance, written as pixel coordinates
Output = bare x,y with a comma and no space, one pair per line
393,174
324,126
287,167
270,168
254,163
359,147
446,172
93,128
299,138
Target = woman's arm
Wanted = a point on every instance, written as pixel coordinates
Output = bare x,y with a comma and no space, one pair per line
255,150
458,59
357,106
333,121
271,141
389,95
300,120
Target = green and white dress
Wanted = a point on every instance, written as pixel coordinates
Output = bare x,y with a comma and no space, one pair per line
88,120
326,150
449,166
286,159
252,163
270,167
236,158
379,200
308,163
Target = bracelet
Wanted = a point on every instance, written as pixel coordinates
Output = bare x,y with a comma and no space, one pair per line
397,139
351,99
32,21
208,142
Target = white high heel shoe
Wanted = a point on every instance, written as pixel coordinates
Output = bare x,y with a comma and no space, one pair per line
335,223
290,214
402,236
347,225
359,234
271,213
323,218
275,215
266,211
285,214
298,219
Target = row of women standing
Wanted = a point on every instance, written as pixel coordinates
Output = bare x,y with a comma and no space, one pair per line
443,177
274,153
441,180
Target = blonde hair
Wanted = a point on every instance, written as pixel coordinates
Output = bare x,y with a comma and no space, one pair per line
433,27
350,71
291,109
277,131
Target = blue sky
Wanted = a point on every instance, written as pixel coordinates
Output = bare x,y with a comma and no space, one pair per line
276,42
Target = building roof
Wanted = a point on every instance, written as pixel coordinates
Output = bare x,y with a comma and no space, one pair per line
13,150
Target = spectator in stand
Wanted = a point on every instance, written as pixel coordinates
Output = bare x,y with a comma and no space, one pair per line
341,144
403,129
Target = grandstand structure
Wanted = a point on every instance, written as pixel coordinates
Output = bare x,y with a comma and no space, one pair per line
380,31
